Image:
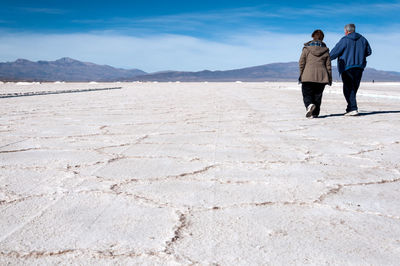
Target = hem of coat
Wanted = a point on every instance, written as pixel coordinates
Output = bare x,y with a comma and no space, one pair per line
326,83
354,66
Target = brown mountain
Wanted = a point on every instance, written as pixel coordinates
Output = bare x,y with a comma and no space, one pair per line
270,72
64,69
67,69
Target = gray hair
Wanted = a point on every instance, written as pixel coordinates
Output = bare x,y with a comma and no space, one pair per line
350,27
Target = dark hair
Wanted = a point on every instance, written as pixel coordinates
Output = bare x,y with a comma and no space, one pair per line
318,35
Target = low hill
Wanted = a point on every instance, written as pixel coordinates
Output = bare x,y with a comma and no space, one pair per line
269,72
64,69
67,69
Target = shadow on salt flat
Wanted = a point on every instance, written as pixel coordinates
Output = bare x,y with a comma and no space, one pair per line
363,113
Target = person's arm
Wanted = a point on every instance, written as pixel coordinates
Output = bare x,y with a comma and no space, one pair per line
368,49
329,68
337,50
302,61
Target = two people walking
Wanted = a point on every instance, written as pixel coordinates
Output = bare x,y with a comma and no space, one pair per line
316,71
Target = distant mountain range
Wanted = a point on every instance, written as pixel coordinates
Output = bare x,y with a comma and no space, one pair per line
270,72
64,69
67,69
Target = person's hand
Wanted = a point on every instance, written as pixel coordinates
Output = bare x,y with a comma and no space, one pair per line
299,80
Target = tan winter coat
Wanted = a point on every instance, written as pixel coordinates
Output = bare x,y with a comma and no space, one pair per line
315,64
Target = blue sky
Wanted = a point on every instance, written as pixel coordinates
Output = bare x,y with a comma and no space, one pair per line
190,35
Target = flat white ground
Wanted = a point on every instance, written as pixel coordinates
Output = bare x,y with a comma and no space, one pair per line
198,173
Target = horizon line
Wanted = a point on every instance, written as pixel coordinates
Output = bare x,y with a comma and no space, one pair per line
162,71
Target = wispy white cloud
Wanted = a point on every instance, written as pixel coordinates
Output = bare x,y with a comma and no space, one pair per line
253,17
52,11
199,22
226,15
179,52
335,9
152,53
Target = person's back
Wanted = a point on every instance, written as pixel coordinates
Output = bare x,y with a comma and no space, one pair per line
351,52
314,63
315,72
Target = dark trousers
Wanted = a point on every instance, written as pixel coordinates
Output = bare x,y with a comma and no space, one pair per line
312,93
351,82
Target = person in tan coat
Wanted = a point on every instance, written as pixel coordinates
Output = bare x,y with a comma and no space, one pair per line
315,72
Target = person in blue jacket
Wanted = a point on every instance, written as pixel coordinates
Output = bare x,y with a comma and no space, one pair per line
351,52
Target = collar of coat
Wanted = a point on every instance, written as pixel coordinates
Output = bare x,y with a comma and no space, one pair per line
315,43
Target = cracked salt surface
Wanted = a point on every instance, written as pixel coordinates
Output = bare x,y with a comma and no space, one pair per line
198,173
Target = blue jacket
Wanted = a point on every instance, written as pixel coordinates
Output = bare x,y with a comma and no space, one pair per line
351,51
